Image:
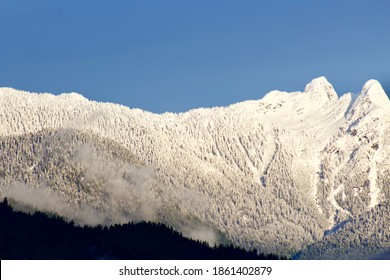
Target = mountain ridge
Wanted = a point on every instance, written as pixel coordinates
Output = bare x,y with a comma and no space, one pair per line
316,87
272,174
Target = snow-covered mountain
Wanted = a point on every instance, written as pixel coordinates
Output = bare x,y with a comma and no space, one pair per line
277,174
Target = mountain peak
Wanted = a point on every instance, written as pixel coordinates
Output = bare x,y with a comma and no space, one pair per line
372,96
373,89
319,88
373,93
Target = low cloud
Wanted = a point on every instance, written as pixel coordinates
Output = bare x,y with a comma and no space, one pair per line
31,199
126,189
203,233
114,191
110,191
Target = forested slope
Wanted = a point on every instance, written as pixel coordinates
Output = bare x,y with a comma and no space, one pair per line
274,174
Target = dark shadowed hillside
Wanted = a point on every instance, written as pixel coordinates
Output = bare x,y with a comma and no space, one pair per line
37,236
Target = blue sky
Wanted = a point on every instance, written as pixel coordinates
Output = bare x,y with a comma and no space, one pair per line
177,55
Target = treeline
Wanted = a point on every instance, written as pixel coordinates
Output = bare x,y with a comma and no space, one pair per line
37,236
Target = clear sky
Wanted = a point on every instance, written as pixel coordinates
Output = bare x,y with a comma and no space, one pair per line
174,55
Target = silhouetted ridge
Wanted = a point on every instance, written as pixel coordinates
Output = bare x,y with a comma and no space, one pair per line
24,236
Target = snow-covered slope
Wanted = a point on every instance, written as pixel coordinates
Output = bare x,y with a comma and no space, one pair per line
272,174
